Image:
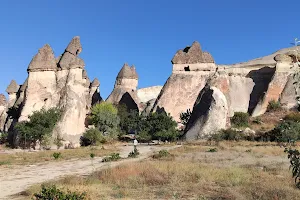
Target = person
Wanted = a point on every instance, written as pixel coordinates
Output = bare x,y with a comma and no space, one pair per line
135,143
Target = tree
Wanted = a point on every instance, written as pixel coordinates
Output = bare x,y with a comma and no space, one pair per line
128,120
38,128
105,117
185,117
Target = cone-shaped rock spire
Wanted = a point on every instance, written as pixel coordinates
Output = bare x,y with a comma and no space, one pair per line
69,58
13,87
95,83
44,60
127,72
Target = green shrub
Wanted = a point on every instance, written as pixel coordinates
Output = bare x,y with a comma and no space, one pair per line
105,117
240,119
92,137
3,138
231,134
257,120
135,153
287,131
38,128
294,157
212,150
273,106
56,155
58,141
53,193
162,154
112,157
185,117
144,136
294,116
92,155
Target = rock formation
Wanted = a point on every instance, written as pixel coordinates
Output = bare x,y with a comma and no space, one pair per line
191,69
210,114
3,110
125,88
61,83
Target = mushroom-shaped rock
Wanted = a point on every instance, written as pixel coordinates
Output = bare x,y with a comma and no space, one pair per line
13,87
3,101
95,83
44,60
283,58
127,72
74,46
69,58
191,55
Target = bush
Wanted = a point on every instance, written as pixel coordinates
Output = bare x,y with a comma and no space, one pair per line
3,138
294,157
105,117
162,154
135,153
273,106
53,193
294,116
144,136
228,134
56,155
38,128
240,119
212,150
112,157
92,137
185,117
287,131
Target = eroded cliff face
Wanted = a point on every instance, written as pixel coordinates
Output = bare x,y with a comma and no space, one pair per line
61,83
247,87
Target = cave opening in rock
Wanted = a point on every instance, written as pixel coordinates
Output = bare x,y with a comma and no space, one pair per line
187,69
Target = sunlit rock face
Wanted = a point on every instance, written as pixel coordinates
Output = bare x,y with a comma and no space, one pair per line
60,82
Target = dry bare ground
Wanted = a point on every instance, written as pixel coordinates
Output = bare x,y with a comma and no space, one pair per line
231,170
15,178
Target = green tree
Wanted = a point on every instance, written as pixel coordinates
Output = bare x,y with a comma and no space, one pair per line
129,120
92,137
38,128
185,117
105,117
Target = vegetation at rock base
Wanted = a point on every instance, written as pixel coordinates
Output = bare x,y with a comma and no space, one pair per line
273,106
240,119
92,137
38,128
105,117
185,116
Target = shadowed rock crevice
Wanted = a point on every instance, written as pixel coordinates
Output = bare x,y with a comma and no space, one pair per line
129,102
261,77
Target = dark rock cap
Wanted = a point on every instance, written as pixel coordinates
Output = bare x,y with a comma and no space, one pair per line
192,55
127,72
283,58
13,87
44,60
95,83
69,59
74,46
2,100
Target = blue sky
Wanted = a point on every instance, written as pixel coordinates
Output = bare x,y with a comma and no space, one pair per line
144,33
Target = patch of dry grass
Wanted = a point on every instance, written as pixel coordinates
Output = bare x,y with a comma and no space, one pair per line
36,157
230,173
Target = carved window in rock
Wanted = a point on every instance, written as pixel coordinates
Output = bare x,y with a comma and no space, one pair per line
187,68
119,82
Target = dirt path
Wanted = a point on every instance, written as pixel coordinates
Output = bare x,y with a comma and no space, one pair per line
14,181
